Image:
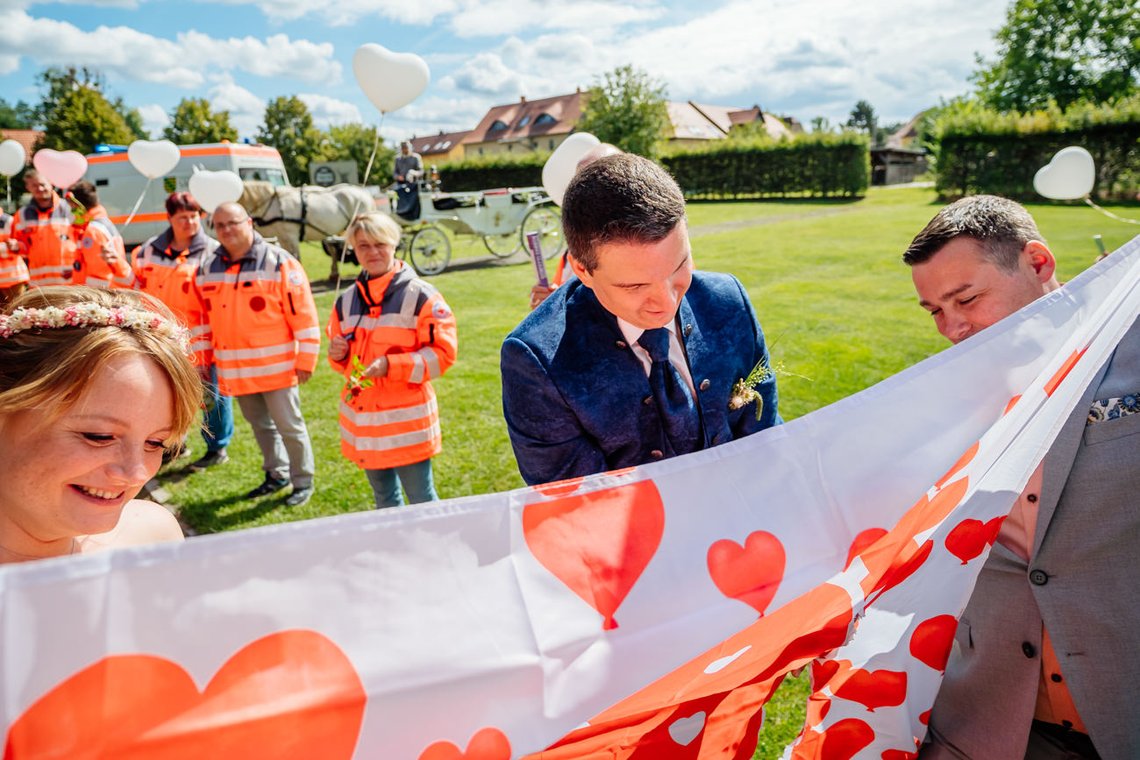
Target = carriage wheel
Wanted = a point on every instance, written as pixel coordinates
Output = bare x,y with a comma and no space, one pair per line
430,251
503,245
547,222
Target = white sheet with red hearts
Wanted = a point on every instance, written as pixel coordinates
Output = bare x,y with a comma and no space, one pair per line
646,613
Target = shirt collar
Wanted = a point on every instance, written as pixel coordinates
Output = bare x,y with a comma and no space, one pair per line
633,332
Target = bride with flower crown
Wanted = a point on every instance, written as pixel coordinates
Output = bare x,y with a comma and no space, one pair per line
93,385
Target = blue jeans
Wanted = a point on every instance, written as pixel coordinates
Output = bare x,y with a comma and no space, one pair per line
416,478
219,430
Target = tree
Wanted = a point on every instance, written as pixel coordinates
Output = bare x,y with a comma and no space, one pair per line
353,142
1062,51
18,116
863,119
289,127
76,115
627,108
193,121
820,124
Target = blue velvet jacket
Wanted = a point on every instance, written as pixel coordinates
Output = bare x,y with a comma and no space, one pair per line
577,400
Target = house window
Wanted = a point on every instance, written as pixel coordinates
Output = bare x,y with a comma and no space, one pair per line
552,145
544,119
523,122
497,126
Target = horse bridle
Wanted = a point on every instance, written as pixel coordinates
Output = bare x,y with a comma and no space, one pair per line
261,221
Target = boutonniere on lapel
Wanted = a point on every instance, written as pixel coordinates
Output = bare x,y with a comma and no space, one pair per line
356,382
744,390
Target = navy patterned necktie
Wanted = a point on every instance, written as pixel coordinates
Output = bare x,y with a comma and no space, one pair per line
671,394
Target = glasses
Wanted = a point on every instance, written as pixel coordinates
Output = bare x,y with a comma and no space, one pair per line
230,225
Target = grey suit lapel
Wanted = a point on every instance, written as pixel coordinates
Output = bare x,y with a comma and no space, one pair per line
1059,459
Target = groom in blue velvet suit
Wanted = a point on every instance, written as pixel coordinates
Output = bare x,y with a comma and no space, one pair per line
635,360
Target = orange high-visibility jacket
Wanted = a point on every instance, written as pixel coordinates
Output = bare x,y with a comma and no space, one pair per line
46,243
168,275
263,322
13,270
396,421
90,268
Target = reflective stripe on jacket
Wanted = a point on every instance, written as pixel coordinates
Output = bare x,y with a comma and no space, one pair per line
168,275
263,322
13,270
46,243
395,421
90,268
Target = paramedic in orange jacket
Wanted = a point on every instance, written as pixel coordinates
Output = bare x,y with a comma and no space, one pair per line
165,266
43,228
96,239
13,270
265,337
390,335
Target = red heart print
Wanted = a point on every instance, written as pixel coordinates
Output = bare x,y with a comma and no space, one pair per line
872,688
841,741
487,744
861,542
599,542
749,573
932,639
970,537
292,694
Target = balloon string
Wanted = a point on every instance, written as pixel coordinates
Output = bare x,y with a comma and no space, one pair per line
1108,213
375,145
138,202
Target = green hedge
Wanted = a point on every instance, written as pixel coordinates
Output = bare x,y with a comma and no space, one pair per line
829,164
982,151
506,170
825,164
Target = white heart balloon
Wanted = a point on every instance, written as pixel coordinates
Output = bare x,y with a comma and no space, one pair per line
563,162
60,168
390,80
12,157
153,158
1069,176
212,189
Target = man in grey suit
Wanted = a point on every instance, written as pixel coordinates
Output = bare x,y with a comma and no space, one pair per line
1046,659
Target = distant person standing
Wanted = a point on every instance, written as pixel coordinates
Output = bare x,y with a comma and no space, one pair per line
100,256
165,267
265,337
43,228
408,170
390,335
13,270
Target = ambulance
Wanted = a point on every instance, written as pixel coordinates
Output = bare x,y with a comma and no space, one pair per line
119,184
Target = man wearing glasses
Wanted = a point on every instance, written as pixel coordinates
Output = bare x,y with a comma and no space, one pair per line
264,335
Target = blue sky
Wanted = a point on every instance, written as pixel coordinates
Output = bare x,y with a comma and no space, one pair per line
804,58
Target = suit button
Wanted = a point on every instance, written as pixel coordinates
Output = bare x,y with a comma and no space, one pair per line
657,453
647,400
1028,650
621,344
705,384
1038,577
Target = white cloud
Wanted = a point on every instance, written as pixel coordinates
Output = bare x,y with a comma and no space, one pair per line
247,111
327,111
348,12
178,63
492,18
155,119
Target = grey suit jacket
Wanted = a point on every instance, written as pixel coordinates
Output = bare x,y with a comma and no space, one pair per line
1082,581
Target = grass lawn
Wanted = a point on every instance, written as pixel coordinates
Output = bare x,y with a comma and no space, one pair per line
828,285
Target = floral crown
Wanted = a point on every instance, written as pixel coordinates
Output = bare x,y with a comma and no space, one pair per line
91,315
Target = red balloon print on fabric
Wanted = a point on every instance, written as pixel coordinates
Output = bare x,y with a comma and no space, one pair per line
818,707
932,639
970,538
749,573
924,718
861,542
902,568
899,754
487,744
841,741
598,543
291,694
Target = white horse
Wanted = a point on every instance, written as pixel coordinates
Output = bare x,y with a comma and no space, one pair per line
293,214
